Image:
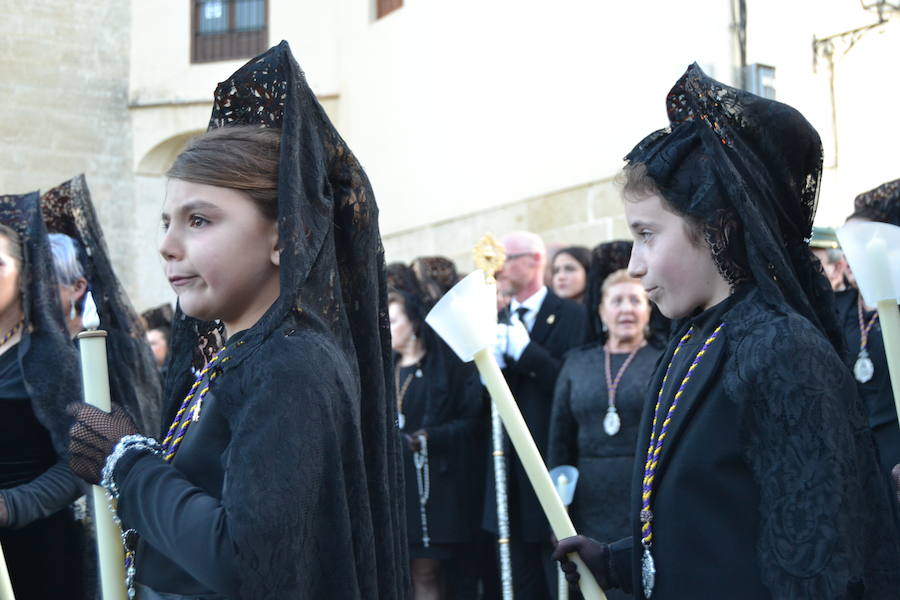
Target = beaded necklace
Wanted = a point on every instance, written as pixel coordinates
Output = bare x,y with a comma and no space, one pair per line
863,369
611,422
648,569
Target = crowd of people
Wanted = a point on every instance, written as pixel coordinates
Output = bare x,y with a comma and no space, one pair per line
294,428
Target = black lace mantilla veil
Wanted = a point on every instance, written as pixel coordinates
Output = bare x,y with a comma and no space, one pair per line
134,382
749,169
48,359
333,284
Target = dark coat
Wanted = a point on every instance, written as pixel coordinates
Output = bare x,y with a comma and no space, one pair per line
560,325
767,485
454,422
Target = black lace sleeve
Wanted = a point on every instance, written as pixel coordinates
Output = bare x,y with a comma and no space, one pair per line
826,530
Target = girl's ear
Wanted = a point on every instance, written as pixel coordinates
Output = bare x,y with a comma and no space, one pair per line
275,254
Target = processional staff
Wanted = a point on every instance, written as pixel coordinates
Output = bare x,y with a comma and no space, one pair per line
489,256
466,319
95,381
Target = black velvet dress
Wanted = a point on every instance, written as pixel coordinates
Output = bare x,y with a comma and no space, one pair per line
876,394
44,557
605,463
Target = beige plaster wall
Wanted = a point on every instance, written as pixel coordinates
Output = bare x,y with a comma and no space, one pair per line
64,86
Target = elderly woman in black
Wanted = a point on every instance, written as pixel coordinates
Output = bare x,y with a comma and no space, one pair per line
439,407
597,409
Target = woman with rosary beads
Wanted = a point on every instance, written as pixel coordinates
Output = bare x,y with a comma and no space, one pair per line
597,407
440,417
760,478
279,475
42,542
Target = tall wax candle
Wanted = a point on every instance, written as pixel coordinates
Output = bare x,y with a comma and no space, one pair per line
95,382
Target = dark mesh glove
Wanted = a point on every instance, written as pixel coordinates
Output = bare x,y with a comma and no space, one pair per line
895,475
93,436
594,554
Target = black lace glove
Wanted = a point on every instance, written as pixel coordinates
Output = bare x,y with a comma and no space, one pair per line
594,554
93,436
895,475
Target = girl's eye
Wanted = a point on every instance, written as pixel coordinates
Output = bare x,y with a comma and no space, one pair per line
164,225
197,221
645,234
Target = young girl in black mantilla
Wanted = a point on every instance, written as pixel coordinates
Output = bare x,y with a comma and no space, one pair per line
757,477
279,475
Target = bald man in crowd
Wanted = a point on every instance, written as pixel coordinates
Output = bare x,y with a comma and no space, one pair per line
536,330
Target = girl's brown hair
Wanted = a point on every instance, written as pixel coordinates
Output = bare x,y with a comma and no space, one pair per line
243,158
638,185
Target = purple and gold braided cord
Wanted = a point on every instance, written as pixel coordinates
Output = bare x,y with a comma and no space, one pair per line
656,441
13,331
182,421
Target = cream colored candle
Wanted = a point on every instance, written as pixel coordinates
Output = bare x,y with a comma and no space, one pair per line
534,466
6,590
95,382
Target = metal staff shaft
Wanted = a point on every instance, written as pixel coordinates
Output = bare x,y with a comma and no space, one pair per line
502,503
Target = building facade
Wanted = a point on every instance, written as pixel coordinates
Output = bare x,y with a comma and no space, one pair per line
469,116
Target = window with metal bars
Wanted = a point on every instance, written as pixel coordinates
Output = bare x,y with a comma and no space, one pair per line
228,29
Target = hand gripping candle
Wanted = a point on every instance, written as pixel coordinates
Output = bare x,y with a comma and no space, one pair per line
95,382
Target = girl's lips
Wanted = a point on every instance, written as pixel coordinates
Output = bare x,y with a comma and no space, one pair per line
180,280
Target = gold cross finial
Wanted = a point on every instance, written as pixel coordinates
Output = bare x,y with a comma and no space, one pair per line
489,256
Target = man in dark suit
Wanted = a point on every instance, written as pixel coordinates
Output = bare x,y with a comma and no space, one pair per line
536,331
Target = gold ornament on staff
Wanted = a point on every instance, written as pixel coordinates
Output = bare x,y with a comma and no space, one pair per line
489,255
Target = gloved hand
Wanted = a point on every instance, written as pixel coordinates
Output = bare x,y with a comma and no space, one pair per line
895,475
93,436
413,441
594,554
4,512
499,348
517,337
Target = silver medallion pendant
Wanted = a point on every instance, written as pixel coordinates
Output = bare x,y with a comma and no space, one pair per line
648,572
611,422
863,369
401,421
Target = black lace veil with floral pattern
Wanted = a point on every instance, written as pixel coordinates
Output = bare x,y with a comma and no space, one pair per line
48,359
332,274
749,169
134,382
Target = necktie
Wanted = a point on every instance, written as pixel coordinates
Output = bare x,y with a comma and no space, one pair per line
522,311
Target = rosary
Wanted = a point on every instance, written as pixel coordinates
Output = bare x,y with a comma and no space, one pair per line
423,483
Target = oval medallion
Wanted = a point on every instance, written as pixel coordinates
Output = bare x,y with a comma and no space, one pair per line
863,369
611,422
